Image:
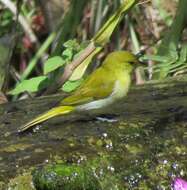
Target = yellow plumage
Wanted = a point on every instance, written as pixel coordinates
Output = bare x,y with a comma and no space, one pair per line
60,110
105,85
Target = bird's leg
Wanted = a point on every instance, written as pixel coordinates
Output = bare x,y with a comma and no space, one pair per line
107,118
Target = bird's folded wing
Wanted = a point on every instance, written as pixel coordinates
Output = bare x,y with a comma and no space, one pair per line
98,86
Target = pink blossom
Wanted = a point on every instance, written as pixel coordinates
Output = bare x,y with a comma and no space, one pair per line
179,184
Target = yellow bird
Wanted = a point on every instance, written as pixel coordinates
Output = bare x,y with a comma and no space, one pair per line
105,85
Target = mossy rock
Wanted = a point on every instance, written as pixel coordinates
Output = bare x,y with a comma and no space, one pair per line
65,177
20,182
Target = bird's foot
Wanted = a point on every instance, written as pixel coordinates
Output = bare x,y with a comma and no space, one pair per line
107,118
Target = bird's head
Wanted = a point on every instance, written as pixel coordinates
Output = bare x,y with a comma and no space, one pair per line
123,56
120,57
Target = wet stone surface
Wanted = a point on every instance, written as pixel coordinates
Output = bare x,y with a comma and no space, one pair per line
145,148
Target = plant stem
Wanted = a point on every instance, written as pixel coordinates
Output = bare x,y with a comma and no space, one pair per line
38,55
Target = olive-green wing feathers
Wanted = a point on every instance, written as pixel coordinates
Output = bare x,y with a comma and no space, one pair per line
94,87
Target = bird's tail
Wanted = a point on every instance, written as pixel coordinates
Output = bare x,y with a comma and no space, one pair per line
60,110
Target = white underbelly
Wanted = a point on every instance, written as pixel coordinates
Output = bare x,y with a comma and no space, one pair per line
96,104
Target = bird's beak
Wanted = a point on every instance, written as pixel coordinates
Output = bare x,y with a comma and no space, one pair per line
138,55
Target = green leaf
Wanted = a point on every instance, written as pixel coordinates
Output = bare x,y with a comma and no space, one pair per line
71,44
183,53
52,64
158,58
103,36
171,40
4,52
72,49
80,70
31,85
69,86
68,53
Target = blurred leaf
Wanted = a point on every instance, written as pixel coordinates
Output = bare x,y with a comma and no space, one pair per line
80,70
71,44
102,36
183,53
68,53
72,49
6,18
31,85
69,86
52,64
3,59
70,23
134,38
163,13
157,58
171,40
32,63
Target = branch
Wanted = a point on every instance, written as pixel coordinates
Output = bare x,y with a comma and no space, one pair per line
69,68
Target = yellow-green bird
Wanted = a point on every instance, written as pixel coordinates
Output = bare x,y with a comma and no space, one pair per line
105,85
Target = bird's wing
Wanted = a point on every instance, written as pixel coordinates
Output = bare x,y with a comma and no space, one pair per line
97,86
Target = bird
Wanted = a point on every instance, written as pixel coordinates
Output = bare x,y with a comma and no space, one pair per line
105,85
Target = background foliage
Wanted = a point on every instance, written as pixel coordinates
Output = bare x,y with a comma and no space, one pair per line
36,41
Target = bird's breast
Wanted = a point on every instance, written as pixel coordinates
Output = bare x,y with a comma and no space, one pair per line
120,90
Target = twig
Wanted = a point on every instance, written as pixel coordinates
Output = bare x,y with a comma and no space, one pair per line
75,63
22,20
15,74
69,68
38,55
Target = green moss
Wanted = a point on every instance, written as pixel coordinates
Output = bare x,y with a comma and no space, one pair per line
134,148
21,182
65,177
15,147
2,185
